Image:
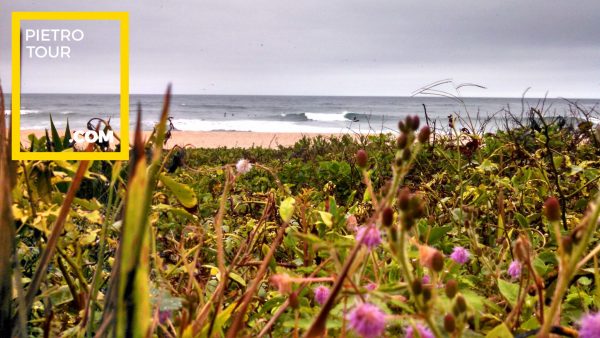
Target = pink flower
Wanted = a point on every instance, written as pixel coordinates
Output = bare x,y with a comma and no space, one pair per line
514,269
371,286
321,294
371,235
424,332
243,166
367,320
590,325
426,279
460,255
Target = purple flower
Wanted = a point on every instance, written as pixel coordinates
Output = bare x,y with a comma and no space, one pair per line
372,236
367,320
424,332
321,294
590,325
514,269
163,316
426,279
460,255
371,286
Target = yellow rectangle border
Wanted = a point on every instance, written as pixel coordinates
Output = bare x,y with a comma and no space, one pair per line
123,18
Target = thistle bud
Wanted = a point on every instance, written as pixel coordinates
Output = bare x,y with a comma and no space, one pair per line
449,323
387,217
417,286
362,158
404,199
451,288
424,134
294,302
461,303
415,121
552,209
402,141
402,126
437,262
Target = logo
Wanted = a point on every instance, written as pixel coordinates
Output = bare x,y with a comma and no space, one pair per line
53,43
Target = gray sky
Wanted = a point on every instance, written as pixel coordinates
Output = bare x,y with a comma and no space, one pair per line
342,47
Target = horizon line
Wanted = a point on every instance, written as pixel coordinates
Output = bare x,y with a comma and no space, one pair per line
321,95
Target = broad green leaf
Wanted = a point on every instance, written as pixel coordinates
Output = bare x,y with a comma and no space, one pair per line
286,209
500,331
58,143
510,291
327,218
184,194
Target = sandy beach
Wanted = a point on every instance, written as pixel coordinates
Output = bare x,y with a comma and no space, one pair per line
215,139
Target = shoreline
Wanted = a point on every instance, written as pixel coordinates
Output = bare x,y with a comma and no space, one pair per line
217,139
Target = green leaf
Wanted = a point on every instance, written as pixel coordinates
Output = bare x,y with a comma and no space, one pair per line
438,232
327,218
500,331
58,144
184,194
510,291
67,136
286,209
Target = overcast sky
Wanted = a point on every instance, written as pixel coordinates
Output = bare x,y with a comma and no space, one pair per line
340,47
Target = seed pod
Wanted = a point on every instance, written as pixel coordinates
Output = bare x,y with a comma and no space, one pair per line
417,286
449,323
424,134
402,141
437,261
461,303
404,199
387,217
552,209
451,288
362,158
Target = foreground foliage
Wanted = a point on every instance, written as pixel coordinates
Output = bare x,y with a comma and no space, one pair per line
372,235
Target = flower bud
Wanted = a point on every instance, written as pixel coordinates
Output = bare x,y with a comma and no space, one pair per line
415,121
362,158
449,323
461,303
437,262
424,134
402,126
451,288
417,286
294,302
402,141
552,209
387,216
404,199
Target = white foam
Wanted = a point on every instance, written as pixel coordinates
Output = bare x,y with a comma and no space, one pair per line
23,111
326,117
253,125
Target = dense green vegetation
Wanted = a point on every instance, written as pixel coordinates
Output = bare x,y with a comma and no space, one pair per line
373,235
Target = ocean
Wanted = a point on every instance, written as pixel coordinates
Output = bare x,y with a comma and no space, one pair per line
307,114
